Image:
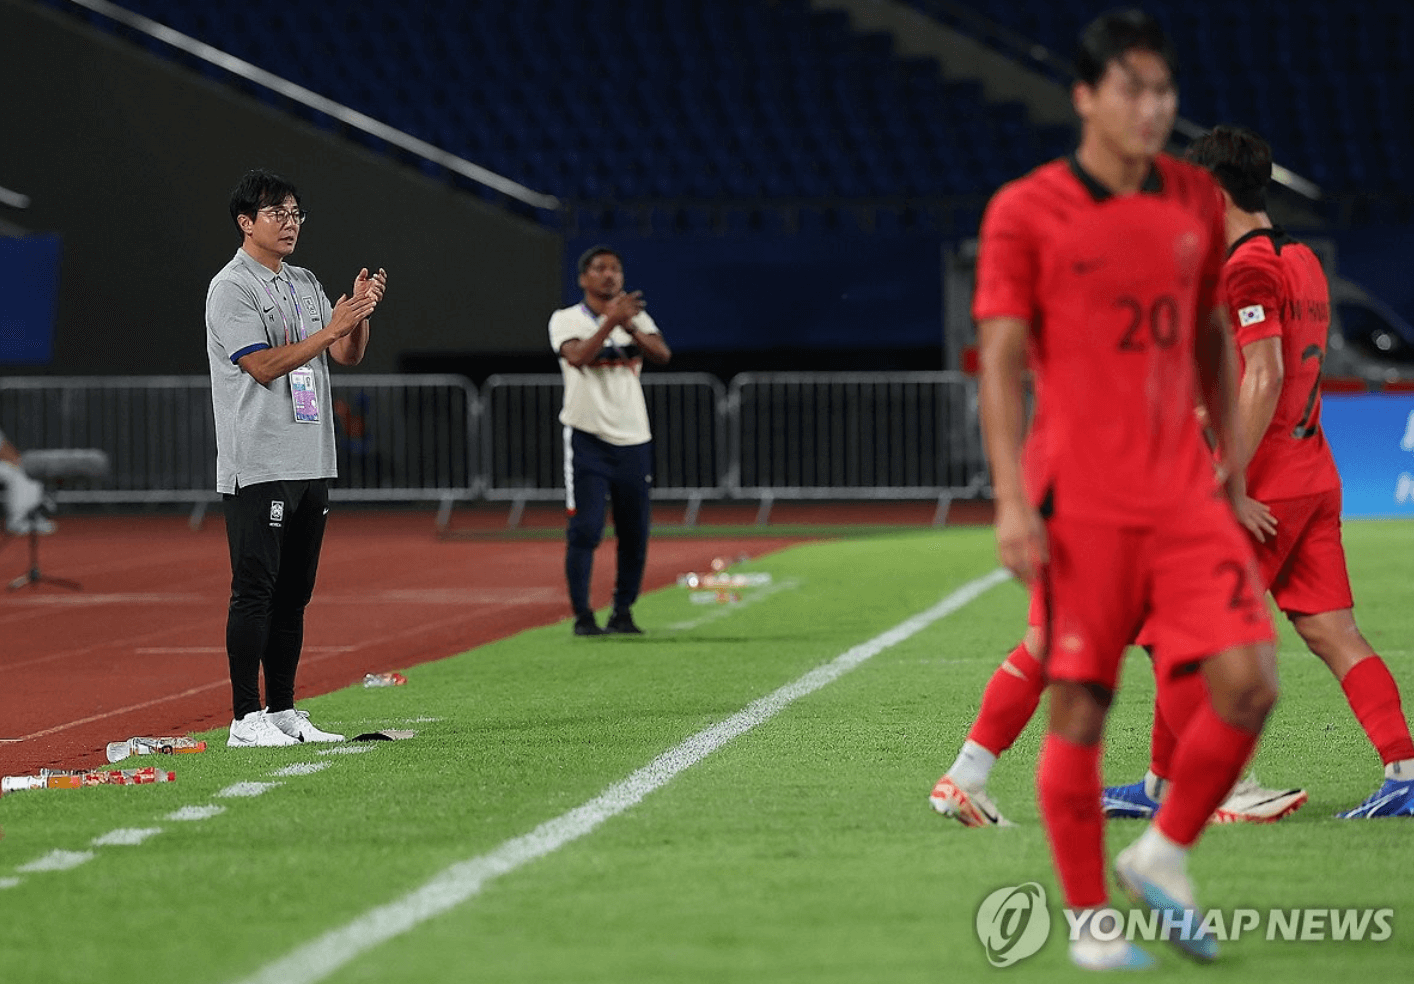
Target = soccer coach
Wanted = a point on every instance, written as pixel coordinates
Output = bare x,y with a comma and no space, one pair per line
602,342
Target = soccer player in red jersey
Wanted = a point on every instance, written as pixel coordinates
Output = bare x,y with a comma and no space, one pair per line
1290,502
1104,268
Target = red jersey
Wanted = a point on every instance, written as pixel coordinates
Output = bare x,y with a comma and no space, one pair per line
1276,288
1112,288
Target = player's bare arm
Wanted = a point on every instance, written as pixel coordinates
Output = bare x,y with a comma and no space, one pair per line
348,350
1001,395
266,365
651,344
1257,397
1217,381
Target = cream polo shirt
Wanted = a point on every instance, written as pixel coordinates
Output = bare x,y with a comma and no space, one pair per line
604,397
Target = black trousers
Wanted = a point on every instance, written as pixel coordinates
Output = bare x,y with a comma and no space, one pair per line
596,469
275,531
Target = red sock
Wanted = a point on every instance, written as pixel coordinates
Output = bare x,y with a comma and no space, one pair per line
1211,756
1177,700
1374,697
1068,786
1162,741
1009,701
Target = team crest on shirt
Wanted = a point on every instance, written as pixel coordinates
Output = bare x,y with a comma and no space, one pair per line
1186,249
1251,315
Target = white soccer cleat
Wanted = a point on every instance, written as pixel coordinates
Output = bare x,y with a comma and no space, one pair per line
1251,803
296,725
971,809
255,731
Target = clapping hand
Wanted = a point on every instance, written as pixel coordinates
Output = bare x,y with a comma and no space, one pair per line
374,285
621,310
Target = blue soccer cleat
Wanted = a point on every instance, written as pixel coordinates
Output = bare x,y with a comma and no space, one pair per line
1130,802
1169,892
1394,799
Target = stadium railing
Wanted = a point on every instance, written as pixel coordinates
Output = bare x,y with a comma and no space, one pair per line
401,438
430,438
522,439
875,435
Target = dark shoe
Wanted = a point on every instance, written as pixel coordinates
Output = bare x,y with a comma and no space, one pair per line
622,622
585,625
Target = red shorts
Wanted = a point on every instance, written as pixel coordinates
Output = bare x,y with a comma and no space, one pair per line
1304,565
1036,616
1192,584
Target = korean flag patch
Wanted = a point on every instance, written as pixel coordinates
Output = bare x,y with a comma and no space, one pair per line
1251,315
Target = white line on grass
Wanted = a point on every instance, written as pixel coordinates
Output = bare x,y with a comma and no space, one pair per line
726,609
197,812
301,769
322,956
125,837
246,789
57,861
347,750
10,882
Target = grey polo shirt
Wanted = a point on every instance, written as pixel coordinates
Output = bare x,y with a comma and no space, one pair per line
257,437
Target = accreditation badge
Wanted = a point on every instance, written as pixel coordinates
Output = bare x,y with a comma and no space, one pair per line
305,399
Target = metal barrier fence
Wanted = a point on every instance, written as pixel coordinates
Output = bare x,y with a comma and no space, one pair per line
523,446
400,438
878,435
414,438
157,430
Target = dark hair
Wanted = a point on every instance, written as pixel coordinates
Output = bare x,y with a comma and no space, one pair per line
1113,35
259,189
1240,160
587,257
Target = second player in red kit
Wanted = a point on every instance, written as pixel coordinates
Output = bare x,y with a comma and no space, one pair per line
1102,273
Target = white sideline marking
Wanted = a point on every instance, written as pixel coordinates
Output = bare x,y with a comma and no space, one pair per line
723,611
247,789
196,812
9,882
301,769
125,837
347,750
325,954
57,861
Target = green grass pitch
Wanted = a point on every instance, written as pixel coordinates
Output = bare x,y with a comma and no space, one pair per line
802,850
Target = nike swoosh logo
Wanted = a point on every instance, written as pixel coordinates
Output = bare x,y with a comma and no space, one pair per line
266,310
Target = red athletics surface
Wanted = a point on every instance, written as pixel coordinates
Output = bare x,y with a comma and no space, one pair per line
141,649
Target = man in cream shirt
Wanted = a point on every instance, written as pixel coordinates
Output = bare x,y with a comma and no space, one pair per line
602,342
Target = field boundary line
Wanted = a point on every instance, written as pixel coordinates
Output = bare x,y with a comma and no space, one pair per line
327,953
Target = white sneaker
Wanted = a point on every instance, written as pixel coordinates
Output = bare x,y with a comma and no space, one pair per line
1251,803
972,808
255,731
295,724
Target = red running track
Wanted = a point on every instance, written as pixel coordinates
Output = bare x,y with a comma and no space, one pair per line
140,650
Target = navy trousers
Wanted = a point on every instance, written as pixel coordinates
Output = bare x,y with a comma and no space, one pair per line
594,470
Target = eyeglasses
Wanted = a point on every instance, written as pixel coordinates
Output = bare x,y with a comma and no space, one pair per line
283,215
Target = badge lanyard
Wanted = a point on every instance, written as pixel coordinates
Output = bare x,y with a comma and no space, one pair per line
302,387
299,321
